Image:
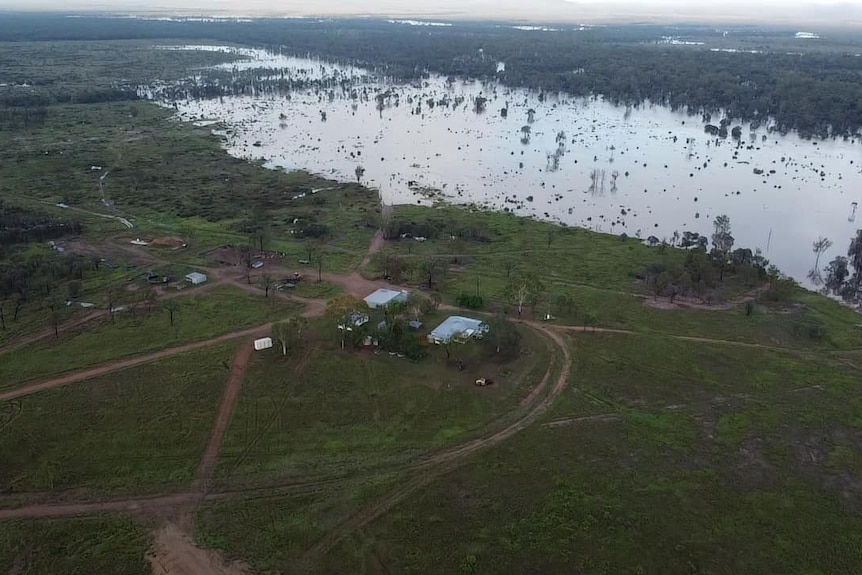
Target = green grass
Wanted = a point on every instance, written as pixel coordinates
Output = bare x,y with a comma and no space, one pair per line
140,430
324,411
199,317
701,452
105,544
284,525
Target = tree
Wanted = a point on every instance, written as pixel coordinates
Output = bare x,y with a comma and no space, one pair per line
54,307
565,304
722,244
432,270
112,297
503,338
854,255
73,290
524,289
552,235
392,267
837,273
172,307
289,333
509,265
819,246
360,171
151,298
319,261
662,282
341,310
247,260
266,282
2,316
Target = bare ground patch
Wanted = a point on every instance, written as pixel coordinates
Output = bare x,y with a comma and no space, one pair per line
174,553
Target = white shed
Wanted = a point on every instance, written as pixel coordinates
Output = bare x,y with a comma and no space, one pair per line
386,297
196,278
262,343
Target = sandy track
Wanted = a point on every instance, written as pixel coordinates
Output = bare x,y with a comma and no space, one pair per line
118,365
120,505
377,243
231,393
48,332
174,553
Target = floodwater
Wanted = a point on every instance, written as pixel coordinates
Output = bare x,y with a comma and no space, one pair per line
646,171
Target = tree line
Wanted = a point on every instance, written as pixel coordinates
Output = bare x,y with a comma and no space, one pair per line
812,90
21,226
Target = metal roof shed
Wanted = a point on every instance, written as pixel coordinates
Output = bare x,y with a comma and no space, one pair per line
386,297
196,278
456,327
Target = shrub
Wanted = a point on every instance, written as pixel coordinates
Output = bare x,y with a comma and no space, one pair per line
471,301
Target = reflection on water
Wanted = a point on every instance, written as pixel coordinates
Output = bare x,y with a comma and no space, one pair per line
645,171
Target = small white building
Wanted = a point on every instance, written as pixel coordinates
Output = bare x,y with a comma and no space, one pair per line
262,343
196,278
386,297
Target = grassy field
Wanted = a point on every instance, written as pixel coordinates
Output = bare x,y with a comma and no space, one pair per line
198,317
285,525
140,430
324,411
110,545
669,457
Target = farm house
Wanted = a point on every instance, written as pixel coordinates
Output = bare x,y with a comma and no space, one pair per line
457,328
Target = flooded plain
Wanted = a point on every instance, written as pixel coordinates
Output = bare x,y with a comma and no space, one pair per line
643,171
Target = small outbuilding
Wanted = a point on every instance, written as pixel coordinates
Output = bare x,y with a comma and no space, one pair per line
262,343
386,297
457,328
196,278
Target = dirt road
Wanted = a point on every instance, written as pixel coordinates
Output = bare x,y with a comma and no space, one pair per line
124,505
231,393
110,367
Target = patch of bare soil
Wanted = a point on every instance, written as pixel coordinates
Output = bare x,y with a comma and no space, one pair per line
660,303
751,466
232,256
171,242
174,553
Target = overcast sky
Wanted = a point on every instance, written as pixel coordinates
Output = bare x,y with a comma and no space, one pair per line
821,12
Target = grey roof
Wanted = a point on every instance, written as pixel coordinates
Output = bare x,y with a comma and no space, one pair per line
383,297
196,277
457,325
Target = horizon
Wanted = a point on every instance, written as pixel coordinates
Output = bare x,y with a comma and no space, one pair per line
809,13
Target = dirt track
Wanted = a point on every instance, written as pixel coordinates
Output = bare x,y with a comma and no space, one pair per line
231,393
123,505
174,553
118,365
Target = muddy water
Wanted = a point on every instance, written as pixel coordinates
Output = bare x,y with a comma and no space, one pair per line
645,172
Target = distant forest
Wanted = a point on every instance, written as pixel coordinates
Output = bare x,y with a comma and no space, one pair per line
813,86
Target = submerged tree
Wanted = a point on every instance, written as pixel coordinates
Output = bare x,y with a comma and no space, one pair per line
819,246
